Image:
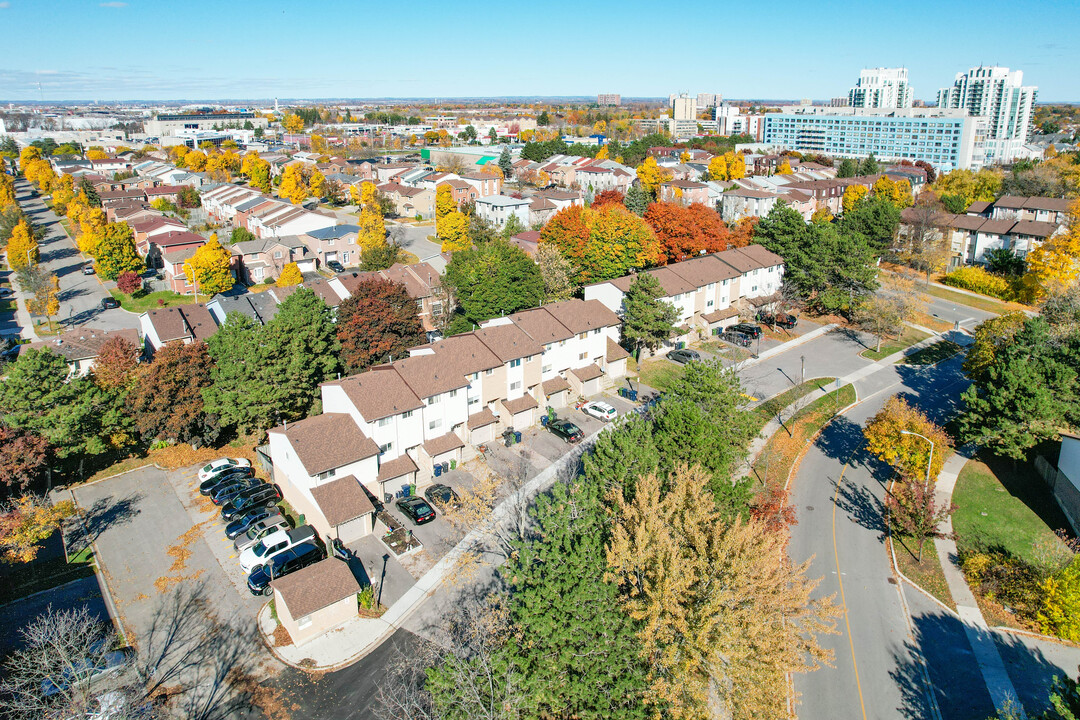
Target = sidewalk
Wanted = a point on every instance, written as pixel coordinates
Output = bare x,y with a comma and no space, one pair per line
978,632
22,315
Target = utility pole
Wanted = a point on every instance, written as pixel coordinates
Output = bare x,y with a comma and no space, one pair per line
802,373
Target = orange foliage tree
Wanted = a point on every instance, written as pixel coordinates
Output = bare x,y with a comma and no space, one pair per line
602,243
686,231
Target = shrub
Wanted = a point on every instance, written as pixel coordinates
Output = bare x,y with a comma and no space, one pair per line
978,280
366,597
1060,612
128,282
998,575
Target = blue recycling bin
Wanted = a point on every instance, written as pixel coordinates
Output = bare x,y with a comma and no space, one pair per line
438,470
543,420
517,436
632,395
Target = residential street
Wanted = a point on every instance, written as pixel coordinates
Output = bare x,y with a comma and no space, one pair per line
80,295
878,671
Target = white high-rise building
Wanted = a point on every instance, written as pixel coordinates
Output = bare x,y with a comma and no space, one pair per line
684,107
881,88
999,95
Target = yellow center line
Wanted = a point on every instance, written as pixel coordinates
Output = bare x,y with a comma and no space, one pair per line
843,600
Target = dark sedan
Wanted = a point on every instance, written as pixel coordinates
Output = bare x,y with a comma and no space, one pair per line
228,490
753,331
566,430
262,494
416,509
107,303
441,496
335,266
684,356
245,520
736,338
207,486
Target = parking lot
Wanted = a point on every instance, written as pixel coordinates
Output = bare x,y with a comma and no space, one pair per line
157,539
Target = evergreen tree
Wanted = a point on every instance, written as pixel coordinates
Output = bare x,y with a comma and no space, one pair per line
637,200
88,189
304,351
575,648
543,119
647,320
874,218
848,168
494,279
506,163
869,166
620,457
239,392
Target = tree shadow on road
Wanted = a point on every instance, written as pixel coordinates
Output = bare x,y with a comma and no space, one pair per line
104,514
862,506
951,669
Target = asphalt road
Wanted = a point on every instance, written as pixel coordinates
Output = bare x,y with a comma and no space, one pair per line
951,312
838,493
80,295
833,354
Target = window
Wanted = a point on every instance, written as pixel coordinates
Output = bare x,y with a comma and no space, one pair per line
596,331
453,393
473,400
330,241
489,371
383,422
434,399
436,423
407,414
515,363
562,343
547,347
515,386
385,448
277,254
582,356
436,308
545,369
327,475
420,305
583,336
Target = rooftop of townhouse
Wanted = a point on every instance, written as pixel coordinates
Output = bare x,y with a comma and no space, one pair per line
327,441
378,393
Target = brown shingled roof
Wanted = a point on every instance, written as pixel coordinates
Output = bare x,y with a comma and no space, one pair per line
427,375
582,315
316,587
508,342
481,419
402,465
589,372
328,441
443,444
379,393
342,500
556,384
615,351
521,404
83,343
541,325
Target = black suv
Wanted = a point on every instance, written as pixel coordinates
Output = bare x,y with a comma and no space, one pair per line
780,319
254,496
109,302
229,489
736,338
747,329
567,430
208,486
293,559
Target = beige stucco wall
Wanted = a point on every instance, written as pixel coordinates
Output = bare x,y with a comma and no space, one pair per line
320,621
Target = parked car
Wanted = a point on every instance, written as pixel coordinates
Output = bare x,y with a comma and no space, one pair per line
89,669
684,356
416,509
781,319
736,338
274,544
11,354
6,292
245,521
207,487
262,494
566,430
213,468
88,269
335,266
260,530
229,489
600,410
750,329
442,496
109,302
289,561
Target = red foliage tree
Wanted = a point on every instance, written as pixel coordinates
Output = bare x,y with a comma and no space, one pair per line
607,197
128,282
115,363
377,321
569,233
913,511
24,457
167,397
772,506
931,173
714,232
687,231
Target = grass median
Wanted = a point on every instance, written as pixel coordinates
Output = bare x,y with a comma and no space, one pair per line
980,302
768,409
935,353
782,450
907,338
149,301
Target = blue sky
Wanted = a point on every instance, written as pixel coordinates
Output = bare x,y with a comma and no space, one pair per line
201,49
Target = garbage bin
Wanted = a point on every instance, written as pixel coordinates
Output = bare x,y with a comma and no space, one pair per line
445,467
508,440
543,420
632,395
438,470
517,436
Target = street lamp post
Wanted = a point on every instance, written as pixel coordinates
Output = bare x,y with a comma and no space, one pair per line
930,460
194,279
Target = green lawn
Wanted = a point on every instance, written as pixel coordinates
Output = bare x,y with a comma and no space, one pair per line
932,353
768,409
658,373
150,300
909,337
774,463
982,302
1002,504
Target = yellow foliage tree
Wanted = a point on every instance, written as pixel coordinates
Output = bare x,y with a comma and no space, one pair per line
684,157
290,275
853,194
718,168
7,190
784,169
96,155
209,267
602,153
293,123
1054,265
444,202
294,187
29,153
736,165
46,300
63,192
177,153
317,184
29,521
319,144
22,247
907,453
652,176
195,161
599,127
453,232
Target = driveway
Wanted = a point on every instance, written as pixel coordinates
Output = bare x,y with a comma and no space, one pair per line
415,240
80,295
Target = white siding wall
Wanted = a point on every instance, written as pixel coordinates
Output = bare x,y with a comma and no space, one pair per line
606,293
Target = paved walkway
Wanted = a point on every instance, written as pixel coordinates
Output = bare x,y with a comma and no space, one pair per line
978,633
22,315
